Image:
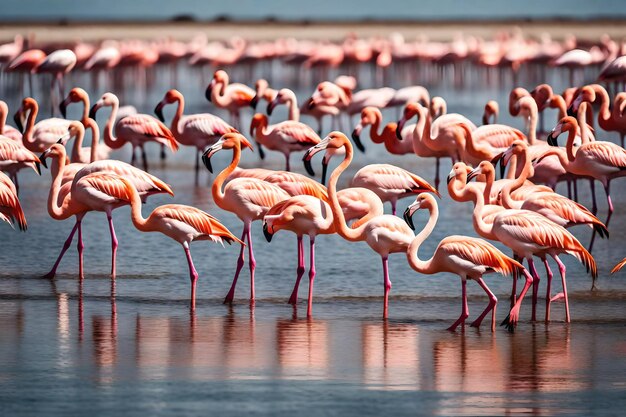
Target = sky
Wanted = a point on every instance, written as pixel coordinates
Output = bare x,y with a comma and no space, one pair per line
150,10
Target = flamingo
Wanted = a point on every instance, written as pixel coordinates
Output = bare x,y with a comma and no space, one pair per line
58,63
285,137
14,156
492,110
182,223
10,207
603,161
26,62
263,92
38,137
137,129
385,234
390,183
468,257
371,116
330,98
530,234
232,97
199,130
64,201
287,97
6,130
86,154
248,198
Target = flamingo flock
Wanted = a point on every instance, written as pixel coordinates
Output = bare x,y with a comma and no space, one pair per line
522,211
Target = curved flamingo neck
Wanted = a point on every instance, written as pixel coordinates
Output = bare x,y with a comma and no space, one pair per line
56,211
84,98
27,136
585,134
4,109
424,267
135,209
490,178
569,146
180,110
477,219
457,188
78,144
507,201
95,139
339,220
532,129
476,150
216,189
292,107
109,139
261,131
604,114
557,101
418,144
219,94
374,135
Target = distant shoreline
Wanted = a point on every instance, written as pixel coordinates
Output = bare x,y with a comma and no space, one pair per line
331,30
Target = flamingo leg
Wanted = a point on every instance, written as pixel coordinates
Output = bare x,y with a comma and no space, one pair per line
548,289
145,160
594,207
163,155
293,300
533,271
193,276
464,308
80,246
387,284
133,157
493,302
252,263
607,190
562,271
240,261
511,320
197,168
514,285
437,163
309,310
287,168
66,246
393,207
114,245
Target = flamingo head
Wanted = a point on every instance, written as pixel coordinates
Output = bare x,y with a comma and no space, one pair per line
423,201
410,110
281,98
75,95
517,148
565,124
209,90
107,100
459,172
259,121
28,105
584,94
232,140
437,107
356,136
334,140
514,96
542,95
170,97
491,109
55,151
484,168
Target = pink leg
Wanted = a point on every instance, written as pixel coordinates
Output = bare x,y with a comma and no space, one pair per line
252,262
464,310
309,310
287,168
293,300
607,189
437,173
393,207
240,261
511,320
113,245
387,284
562,271
193,276
514,285
80,246
66,246
548,289
533,271
493,302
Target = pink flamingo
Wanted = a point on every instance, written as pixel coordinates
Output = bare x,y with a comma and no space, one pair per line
38,137
10,207
137,129
530,234
229,96
285,137
182,223
64,201
263,92
14,156
603,161
58,63
491,112
26,63
199,130
468,257
248,198
371,116
390,183
287,97
6,130
385,234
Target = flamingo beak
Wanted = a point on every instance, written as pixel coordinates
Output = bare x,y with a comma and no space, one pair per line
63,107
209,90
212,150
94,109
271,106
311,104
451,176
268,235
325,162
254,101
408,214
356,133
315,149
473,174
553,136
399,127
158,110
17,118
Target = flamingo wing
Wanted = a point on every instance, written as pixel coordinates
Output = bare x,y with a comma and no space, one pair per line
205,125
479,252
605,153
296,184
390,177
143,125
10,207
297,133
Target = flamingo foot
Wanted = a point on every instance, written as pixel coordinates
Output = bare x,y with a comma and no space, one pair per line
510,322
558,297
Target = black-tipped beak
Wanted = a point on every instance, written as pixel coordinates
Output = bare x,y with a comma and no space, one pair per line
473,174
497,158
38,167
399,127
42,158
17,118
208,91
206,160
357,141
324,171
408,218
311,104
552,141
158,110
485,119
270,107
571,111
450,178
92,111
266,233
253,102
308,167
261,151
63,108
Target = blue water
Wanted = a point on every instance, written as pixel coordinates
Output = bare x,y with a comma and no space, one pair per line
322,10
132,348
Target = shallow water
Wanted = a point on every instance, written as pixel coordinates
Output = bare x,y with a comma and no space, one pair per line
133,348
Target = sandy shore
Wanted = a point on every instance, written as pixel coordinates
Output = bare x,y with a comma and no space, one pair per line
331,30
